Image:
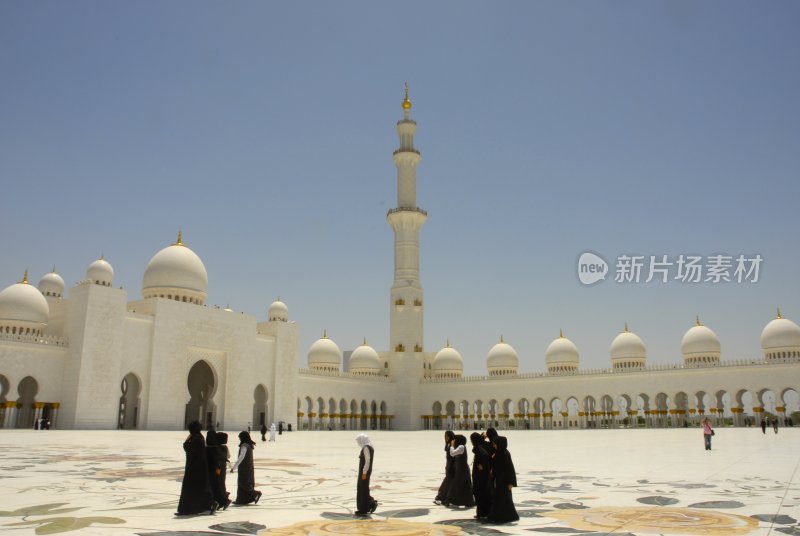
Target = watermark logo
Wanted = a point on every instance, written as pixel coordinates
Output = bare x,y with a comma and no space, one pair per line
591,268
681,268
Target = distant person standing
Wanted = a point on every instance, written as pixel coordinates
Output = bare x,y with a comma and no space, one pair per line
775,424
365,504
196,496
263,432
272,432
763,425
708,431
246,492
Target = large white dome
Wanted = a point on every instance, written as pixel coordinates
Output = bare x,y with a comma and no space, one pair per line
562,355
324,354
448,363
100,272
52,285
627,350
502,359
780,338
365,360
23,308
700,345
176,272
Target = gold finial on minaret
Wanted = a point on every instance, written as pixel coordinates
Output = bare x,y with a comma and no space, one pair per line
25,278
626,327
447,345
365,342
501,338
697,321
180,238
560,333
779,313
406,102
54,269
325,333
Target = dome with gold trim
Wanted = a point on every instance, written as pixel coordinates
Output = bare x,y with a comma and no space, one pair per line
700,345
562,355
628,351
325,355
364,361
448,363
23,309
780,338
52,285
176,273
502,359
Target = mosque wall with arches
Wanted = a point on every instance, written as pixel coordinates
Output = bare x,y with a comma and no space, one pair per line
736,394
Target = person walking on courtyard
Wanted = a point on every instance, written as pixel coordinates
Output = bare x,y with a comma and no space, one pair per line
441,495
263,432
365,504
708,431
460,490
763,425
272,432
481,462
196,496
504,478
246,491
217,455
775,424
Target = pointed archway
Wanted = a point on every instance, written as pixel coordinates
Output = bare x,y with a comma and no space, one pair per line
202,386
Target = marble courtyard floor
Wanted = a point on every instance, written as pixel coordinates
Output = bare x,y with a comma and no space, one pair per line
621,482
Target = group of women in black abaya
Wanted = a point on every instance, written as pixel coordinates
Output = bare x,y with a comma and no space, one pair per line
203,488
493,476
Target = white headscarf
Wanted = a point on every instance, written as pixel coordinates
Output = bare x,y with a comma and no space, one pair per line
363,440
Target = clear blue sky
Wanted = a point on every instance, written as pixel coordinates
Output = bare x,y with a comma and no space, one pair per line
265,132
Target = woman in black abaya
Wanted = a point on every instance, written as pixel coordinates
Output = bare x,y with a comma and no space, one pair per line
460,492
365,504
504,478
246,492
217,454
481,484
196,494
441,495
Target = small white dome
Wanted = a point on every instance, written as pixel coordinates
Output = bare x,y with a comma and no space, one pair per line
627,346
100,272
780,338
324,354
364,360
23,305
700,345
176,272
502,359
278,312
52,285
448,363
562,355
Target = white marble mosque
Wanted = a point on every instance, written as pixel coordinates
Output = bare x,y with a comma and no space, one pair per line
93,358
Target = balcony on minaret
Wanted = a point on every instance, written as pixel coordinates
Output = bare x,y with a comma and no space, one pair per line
400,348
417,303
406,209
399,304
417,348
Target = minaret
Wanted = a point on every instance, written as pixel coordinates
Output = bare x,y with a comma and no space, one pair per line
405,318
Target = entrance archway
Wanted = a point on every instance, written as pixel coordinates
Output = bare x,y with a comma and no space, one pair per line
202,386
129,402
259,407
26,412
